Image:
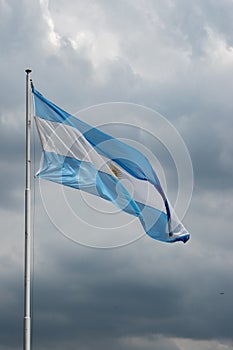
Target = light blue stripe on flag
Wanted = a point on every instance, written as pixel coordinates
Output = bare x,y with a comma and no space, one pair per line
84,176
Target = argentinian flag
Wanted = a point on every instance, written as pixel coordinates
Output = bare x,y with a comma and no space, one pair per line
78,155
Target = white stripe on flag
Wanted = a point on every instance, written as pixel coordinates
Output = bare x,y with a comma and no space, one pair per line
69,142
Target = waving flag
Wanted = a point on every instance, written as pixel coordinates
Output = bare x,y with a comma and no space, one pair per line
78,155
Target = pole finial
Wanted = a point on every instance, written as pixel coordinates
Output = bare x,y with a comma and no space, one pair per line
28,70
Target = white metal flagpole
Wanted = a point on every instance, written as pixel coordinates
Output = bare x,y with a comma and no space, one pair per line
27,252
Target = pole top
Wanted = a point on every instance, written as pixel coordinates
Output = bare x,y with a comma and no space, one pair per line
28,70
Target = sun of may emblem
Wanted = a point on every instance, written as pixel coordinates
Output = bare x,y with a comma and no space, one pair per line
116,171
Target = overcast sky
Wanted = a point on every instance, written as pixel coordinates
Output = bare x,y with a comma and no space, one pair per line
173,57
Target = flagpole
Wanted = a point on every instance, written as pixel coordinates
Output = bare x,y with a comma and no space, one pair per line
27,252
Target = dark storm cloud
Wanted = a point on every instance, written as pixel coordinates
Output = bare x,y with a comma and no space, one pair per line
11,302
21,39
121,298
12,165
199,91
88,297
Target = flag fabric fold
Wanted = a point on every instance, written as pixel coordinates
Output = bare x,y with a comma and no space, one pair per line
78,155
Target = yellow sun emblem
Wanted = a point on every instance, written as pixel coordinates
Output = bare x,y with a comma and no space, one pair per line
116,171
